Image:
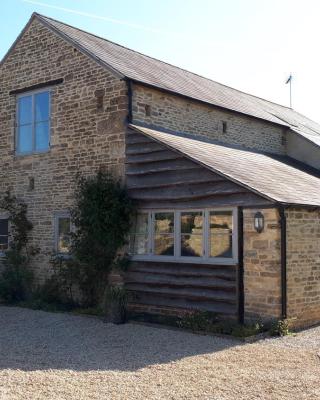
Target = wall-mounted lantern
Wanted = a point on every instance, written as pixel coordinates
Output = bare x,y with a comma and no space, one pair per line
258,222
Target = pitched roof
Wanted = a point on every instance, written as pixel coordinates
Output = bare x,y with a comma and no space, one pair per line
277,178
148,70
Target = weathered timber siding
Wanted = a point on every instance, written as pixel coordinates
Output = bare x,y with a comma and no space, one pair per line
158,177
161,178
303,266
183,115
83,137
161,287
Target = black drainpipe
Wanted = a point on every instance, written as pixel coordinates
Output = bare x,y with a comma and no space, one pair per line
283,227
240,267
129,85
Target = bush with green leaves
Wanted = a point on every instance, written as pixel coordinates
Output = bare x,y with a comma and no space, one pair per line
280,328
17,278
102,216
197,320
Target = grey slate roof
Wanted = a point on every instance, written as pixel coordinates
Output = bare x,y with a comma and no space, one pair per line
277,178
139,67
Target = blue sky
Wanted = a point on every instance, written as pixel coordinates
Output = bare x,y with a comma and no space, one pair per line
251,45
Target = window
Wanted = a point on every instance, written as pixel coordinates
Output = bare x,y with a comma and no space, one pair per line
4,235
33,122
207,236
63,229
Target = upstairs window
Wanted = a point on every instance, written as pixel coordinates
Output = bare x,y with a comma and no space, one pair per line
33,122
4,235
199,236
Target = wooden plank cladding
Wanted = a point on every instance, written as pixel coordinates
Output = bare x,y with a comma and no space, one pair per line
158,177
186,286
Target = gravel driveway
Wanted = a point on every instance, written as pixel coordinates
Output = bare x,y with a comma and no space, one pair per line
61,356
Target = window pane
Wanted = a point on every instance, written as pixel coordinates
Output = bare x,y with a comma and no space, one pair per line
191,222
191,245
3,243
221,234
4,234
4,227
221,246
163,245
42,106
64,235
139,244
42,136
25,144
164,223
25,110
141,224
191,234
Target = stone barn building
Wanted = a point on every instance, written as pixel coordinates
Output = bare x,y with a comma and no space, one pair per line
228,184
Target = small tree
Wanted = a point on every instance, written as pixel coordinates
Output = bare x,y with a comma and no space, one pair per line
16,278
101,216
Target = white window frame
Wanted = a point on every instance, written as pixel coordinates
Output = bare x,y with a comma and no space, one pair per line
205,259
6,217
32,93
58,215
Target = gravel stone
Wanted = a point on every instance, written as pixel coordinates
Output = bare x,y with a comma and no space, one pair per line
62,356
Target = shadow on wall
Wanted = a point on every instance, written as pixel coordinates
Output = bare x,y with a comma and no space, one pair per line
36,340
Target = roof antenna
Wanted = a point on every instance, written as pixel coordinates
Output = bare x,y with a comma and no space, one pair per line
289,80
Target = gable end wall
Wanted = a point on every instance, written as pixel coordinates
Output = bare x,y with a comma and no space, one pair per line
83,138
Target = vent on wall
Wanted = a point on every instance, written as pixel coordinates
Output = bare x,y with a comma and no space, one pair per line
31,183
224,127
147,108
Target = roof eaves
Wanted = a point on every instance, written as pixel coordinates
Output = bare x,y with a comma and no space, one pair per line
136,128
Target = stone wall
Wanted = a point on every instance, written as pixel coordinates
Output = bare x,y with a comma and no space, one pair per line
153,107
262,266
303,266
86,133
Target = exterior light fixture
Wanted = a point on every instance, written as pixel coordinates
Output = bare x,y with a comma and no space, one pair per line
258,222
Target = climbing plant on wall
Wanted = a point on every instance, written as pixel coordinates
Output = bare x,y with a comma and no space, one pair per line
16,277
101,216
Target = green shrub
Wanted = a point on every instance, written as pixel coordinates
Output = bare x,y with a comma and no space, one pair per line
197,320
102,217
210,323
16,279
280,328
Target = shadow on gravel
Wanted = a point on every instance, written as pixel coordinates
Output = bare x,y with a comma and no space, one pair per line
36,340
